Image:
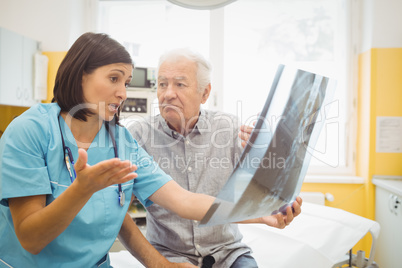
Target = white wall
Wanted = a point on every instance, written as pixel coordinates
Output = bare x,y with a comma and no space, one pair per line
381,24
58,23
54,23
387,23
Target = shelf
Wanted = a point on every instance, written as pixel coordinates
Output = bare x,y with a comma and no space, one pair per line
137,214
393,185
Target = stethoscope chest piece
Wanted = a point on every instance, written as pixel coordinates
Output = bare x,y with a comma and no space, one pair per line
122,198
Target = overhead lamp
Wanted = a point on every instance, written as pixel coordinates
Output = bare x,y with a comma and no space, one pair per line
201,4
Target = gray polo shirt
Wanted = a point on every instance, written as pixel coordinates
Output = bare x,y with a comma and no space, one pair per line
201,162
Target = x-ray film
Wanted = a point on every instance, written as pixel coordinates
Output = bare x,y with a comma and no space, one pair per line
270,172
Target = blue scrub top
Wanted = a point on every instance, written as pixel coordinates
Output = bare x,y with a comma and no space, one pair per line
32,163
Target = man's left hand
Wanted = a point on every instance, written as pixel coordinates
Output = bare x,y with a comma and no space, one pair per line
280,220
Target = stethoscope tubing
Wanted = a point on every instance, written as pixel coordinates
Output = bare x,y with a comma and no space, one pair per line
68,158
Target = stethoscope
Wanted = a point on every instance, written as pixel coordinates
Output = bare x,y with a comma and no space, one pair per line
68,158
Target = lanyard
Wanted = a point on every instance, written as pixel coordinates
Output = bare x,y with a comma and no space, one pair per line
68,158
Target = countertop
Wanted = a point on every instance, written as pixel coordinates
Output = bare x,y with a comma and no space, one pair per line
389,183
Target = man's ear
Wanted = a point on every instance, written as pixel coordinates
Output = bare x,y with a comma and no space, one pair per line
206,93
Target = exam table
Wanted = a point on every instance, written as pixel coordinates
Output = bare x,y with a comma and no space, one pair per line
319,237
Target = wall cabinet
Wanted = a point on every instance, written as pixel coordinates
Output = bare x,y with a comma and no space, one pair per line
16,69
388,213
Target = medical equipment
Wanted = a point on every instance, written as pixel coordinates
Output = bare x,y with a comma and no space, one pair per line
141,95
140,102
143,77
68,158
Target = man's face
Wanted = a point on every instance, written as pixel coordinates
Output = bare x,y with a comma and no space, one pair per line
178,95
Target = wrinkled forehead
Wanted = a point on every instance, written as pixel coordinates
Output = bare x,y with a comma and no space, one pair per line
176,78
181,69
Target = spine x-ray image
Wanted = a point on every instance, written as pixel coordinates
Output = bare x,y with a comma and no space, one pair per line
270,172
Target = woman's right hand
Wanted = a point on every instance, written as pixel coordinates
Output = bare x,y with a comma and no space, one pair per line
103,174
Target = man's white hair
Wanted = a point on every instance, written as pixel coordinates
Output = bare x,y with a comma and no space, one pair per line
204,67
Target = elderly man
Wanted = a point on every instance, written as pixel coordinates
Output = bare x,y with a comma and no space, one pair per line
199,149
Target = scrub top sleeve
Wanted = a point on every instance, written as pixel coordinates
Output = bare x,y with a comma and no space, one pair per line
23,170
150,177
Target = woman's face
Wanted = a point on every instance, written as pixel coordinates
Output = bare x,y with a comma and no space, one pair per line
105,89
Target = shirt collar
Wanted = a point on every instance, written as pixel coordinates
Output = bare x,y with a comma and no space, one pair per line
200,127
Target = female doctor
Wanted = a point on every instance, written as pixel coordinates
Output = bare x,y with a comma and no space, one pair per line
67,170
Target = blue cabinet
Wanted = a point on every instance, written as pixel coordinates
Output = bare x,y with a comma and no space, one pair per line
16,69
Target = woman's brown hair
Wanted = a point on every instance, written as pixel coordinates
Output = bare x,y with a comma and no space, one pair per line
89,52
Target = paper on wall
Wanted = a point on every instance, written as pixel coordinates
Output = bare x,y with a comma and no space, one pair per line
389,134
40,76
